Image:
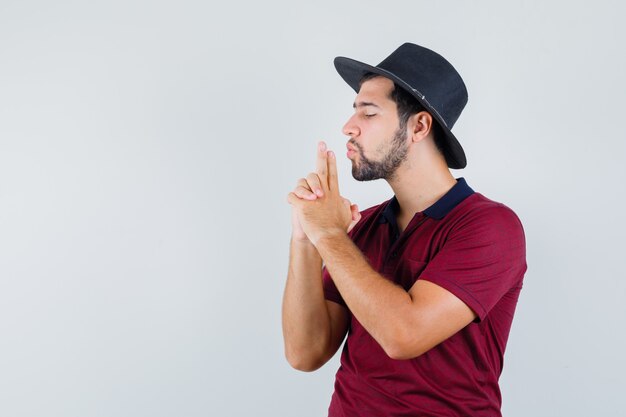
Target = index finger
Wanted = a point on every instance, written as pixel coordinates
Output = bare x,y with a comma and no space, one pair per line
321,163
333,179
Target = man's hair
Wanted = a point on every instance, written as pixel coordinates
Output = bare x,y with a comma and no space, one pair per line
408,106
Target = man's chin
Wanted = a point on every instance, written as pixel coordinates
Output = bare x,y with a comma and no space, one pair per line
360,176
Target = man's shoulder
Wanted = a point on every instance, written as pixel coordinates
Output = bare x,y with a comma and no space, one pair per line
478,204
482,211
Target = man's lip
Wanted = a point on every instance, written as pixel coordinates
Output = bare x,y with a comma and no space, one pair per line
351,151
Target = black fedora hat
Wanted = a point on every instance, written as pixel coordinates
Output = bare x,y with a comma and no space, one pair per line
430,78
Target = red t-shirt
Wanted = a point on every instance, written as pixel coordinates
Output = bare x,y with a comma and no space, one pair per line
472,247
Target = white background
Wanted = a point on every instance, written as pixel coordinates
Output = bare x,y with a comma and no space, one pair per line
147,147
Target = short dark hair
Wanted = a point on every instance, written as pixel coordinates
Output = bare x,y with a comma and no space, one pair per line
408,106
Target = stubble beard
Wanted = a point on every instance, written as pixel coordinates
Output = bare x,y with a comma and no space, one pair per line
367,170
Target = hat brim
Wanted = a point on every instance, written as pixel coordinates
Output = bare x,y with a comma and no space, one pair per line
352,72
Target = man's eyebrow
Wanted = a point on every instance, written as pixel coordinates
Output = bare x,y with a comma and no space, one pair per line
364,104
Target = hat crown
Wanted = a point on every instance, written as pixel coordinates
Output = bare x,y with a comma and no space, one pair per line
432,76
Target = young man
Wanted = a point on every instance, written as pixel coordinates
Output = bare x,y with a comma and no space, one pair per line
425,284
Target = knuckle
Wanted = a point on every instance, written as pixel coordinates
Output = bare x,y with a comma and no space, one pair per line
312,177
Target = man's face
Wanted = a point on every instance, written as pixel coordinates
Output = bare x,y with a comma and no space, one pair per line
377,145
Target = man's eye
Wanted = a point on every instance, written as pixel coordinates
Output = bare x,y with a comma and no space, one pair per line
370,115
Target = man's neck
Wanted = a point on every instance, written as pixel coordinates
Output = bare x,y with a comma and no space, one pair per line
416,191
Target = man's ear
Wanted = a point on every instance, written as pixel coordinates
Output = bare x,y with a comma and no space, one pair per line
420,124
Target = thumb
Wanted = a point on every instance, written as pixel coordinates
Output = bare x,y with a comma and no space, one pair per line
356,215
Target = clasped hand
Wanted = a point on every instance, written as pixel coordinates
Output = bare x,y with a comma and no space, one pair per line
318,210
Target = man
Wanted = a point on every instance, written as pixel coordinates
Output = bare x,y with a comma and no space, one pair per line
425,284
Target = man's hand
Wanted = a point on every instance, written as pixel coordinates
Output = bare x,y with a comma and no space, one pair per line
318,208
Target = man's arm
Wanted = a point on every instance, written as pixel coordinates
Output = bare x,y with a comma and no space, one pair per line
405,324
313,328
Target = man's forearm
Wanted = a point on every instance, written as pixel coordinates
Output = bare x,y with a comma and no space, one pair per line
306,324
378,304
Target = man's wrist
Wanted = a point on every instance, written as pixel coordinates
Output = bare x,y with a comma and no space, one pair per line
331,238
304,251
303,244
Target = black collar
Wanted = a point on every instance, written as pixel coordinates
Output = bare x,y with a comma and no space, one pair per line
438,210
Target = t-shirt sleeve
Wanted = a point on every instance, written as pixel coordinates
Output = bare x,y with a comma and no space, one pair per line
483,257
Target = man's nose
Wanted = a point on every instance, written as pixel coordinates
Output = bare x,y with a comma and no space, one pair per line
350,128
